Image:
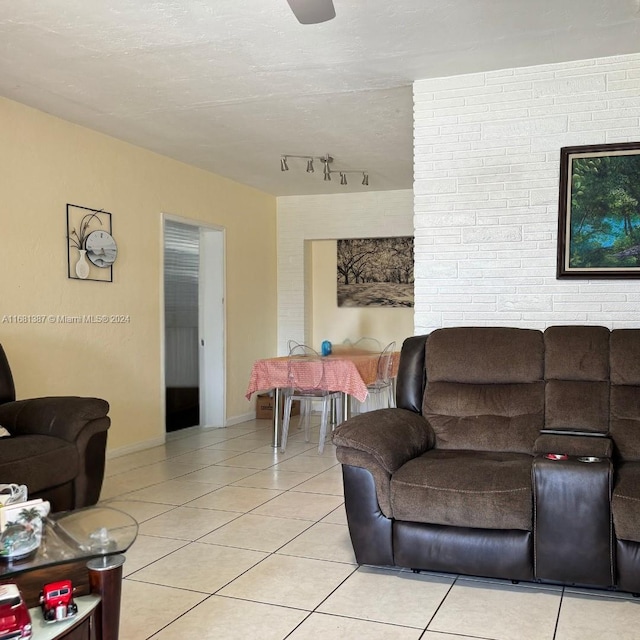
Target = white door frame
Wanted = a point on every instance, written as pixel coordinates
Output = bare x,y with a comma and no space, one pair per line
211,320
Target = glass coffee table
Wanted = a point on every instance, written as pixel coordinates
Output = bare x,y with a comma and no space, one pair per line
86,547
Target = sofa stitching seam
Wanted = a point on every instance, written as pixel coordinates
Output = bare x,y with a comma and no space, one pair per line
426,486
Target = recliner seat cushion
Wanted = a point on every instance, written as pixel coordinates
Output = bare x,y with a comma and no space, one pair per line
625,503
40,462
488,490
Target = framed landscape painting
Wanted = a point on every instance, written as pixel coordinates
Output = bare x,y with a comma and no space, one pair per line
375,272
599,211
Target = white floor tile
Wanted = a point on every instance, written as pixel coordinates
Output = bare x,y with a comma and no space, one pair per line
322,541
319,625
240,499
233,619
260,533
306,506
590,617
283,580
391,597
498,611
146,608
186,523
173,492
199,567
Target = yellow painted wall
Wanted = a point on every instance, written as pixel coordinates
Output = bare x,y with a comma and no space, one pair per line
46,163
337,324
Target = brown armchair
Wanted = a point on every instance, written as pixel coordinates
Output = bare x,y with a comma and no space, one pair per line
57,444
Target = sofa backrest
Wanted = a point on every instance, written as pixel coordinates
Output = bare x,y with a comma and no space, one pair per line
411,374
624,421
494,388
576,370
7,388
485,388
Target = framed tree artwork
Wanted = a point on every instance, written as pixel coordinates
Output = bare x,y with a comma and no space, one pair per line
375,272
599,211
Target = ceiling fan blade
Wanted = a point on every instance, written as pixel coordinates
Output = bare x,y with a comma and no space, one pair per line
312,11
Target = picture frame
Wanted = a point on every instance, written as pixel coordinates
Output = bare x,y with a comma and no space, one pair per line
81,223
375,272
599,211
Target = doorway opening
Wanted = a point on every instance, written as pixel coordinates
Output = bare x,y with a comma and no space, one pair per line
194,332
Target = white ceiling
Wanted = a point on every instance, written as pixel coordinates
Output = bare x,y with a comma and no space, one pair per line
230,85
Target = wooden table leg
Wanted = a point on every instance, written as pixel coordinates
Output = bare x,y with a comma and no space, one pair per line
105,578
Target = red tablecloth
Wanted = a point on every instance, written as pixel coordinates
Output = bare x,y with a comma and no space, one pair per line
341,373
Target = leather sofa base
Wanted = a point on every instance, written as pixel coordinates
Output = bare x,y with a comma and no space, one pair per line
506,554
369,528
378,540
628,565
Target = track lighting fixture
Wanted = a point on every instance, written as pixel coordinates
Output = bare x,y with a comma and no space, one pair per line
326,168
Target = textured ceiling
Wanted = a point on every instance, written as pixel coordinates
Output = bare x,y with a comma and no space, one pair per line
230,85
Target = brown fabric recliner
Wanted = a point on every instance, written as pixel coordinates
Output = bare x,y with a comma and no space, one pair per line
57,444
457,478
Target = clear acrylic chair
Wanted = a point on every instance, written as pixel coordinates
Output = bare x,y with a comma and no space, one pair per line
306,383
381,391
368,344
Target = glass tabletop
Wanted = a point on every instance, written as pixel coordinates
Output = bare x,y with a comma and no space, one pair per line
76,535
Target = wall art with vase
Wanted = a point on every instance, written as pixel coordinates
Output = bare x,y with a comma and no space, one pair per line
91,248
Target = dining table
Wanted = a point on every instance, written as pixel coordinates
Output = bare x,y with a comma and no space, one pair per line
348,371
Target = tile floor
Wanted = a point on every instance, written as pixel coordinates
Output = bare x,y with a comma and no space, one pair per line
240,541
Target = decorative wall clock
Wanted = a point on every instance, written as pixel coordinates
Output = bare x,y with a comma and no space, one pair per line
101,248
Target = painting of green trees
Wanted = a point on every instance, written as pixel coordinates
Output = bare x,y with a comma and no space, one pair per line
604,208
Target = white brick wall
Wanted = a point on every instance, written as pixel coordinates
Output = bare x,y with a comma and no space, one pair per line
327,217
486,171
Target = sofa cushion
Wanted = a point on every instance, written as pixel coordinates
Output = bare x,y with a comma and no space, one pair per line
576,370
485,388
504,417
625,503
484,355
624,422
576,353
465,489
51,461
577,405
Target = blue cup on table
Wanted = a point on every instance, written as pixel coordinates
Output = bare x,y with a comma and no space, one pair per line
325,348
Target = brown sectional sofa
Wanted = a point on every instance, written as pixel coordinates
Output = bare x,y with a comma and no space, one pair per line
458,478
57,444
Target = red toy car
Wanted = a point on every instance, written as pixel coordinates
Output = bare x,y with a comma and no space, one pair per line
15,621
56,600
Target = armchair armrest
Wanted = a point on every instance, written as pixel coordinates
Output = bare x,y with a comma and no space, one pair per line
63,417
81,421
381,442
574,445
390,436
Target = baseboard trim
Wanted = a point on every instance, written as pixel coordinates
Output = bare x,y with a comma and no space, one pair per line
134,448
245,417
